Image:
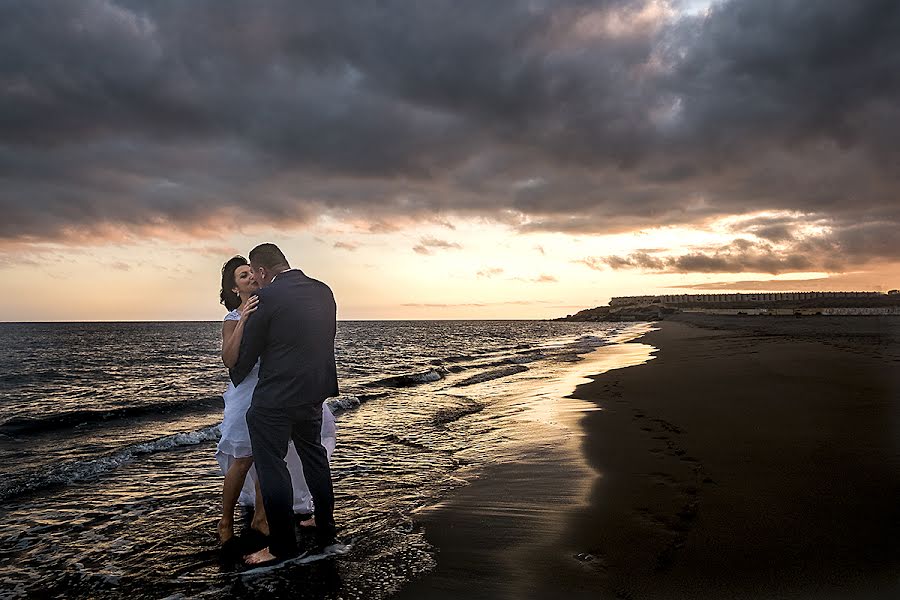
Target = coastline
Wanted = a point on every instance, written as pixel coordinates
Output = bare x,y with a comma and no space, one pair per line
750,459
504,534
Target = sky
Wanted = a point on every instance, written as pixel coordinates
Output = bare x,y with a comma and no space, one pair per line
445,159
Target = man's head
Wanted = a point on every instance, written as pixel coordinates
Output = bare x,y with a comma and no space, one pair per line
267,261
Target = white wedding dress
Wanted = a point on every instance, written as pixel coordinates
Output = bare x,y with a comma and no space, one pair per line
235,441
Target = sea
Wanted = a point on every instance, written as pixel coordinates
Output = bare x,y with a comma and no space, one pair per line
108,483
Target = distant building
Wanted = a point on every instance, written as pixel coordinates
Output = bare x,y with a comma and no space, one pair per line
759,299
651,308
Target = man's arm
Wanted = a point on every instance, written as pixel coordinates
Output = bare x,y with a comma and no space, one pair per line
252,344
333,332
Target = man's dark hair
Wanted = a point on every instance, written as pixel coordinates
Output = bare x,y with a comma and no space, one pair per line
268,256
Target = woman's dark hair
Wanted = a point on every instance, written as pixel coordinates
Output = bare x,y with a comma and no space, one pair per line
226,294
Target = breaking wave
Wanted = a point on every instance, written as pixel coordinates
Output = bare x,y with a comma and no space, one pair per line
88,469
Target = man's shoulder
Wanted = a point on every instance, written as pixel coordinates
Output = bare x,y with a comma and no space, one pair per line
317,283
301,277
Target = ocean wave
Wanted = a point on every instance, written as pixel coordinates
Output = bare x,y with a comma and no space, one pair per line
33,377
526,357
17,426
82,470
404,441
88,469
411,379
491,375
448,414
459,358
343,403
591,341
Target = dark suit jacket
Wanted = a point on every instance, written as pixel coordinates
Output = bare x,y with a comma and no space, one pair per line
292,332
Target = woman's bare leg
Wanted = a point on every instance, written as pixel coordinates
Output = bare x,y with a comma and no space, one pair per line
231,490
259,522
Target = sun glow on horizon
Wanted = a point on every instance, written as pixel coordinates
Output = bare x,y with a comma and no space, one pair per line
459,269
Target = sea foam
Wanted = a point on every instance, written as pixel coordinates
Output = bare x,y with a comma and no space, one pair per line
88,469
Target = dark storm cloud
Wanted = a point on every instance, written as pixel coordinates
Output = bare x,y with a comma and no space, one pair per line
836,248
587,117
790,72
734,258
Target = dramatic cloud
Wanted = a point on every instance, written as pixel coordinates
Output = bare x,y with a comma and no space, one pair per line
427,245
572,116
542,278
847,282
740,256
798,285
489,272
774,243
595,263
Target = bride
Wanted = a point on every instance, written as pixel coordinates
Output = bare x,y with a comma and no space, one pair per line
233,452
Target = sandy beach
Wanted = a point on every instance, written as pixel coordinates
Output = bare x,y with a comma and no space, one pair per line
751,458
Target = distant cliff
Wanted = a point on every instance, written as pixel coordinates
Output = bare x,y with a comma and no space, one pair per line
628,313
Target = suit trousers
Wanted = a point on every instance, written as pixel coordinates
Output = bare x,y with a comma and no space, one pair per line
270,431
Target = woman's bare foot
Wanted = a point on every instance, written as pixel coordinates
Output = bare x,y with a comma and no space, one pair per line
310,522
259,557
226,530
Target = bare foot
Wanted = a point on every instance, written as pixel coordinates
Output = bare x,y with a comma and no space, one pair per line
226,530
259,557
310,522
260,525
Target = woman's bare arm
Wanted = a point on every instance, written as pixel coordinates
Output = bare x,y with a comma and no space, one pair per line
233,331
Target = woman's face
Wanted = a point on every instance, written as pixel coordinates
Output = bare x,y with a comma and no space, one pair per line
244,282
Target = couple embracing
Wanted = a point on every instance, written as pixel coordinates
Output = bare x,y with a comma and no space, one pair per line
278,342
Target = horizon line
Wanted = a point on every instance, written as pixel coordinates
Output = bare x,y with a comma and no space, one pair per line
217,321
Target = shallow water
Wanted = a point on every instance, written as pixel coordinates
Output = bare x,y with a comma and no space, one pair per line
108,485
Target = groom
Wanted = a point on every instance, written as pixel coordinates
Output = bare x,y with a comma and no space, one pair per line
292,332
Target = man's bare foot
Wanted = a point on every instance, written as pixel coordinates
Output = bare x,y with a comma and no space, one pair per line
260,525
226,530
310,522
259,557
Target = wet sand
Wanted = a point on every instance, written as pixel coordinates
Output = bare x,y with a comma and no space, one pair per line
752,458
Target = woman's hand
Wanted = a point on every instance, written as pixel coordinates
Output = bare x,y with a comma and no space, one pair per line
250,307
